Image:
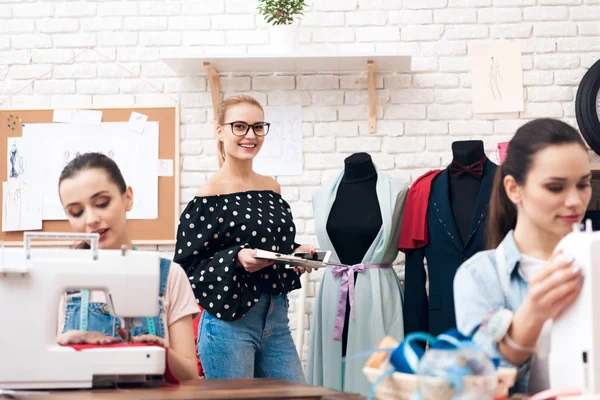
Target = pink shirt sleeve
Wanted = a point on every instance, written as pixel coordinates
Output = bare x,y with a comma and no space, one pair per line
179,296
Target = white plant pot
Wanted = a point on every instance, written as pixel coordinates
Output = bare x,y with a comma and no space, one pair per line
284,38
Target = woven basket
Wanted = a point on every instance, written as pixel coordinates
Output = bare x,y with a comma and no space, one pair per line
401,386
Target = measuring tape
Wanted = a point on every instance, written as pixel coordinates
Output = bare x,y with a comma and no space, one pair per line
84,311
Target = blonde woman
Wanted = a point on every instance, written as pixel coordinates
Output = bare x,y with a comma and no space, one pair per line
243,332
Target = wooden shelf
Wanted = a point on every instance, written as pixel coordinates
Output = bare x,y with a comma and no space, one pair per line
292,63
297,64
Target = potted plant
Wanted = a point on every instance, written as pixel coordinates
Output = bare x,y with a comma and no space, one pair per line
284,34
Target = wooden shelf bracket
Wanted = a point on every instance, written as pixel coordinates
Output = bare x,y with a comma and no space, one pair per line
371,69
215,89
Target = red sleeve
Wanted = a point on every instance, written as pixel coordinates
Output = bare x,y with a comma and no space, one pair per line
413,233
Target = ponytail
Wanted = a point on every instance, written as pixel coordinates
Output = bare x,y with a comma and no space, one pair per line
220,153
503,213
529,139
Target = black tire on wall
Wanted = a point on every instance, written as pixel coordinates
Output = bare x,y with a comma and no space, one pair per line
586,109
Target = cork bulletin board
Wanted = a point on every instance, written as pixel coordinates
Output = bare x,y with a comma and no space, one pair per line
143,231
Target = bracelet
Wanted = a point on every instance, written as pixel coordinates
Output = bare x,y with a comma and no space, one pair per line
516,346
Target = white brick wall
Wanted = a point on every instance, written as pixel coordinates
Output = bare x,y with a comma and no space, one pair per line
420,113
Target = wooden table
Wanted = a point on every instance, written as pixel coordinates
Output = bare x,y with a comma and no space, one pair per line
208,390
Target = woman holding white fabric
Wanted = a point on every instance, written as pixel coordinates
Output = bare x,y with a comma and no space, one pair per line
540,191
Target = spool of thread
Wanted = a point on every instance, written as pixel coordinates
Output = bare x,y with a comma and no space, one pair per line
502,149
405,358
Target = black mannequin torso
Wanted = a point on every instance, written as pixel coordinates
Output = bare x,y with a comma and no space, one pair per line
355,217
464,189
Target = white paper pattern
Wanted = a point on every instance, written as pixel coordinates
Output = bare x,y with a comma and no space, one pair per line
281,153
21,207
136,155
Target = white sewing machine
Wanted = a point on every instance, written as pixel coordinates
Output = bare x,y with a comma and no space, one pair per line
574,359
31,282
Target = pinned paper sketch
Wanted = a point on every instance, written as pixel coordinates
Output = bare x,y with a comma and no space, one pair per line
15,159
281,152
497,77
21,207
137,122
136,154
165,167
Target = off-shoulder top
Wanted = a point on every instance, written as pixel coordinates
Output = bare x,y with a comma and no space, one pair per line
213,229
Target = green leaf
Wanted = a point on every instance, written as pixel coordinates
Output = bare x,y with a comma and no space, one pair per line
282,12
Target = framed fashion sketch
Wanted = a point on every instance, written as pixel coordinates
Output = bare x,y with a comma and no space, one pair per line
497,77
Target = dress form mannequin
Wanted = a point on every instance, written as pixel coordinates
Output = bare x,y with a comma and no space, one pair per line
464,189
358,215
355,217
456,205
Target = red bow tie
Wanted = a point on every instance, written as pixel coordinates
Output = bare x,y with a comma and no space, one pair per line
475,169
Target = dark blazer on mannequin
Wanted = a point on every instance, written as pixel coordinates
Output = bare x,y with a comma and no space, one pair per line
445,252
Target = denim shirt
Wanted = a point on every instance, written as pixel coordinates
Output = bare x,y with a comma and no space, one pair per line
100,319
478,291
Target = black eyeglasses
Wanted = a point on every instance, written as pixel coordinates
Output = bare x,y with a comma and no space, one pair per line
241,128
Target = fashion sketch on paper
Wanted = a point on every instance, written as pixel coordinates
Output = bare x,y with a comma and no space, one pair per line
495,76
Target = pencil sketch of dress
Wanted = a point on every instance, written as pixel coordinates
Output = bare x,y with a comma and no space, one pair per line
21,166
494,78
14,154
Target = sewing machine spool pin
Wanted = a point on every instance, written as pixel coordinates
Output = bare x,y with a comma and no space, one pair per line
127,322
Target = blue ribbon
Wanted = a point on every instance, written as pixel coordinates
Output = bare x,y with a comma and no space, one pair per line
406,357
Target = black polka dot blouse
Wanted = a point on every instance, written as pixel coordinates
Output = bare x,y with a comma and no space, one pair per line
213,229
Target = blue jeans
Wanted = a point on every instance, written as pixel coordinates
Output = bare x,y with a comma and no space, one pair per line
258,345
